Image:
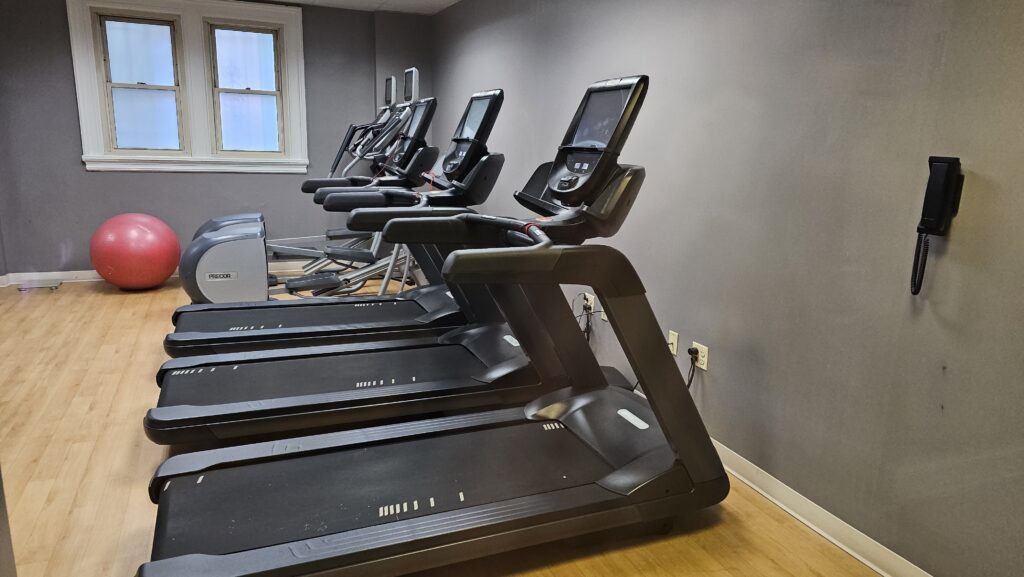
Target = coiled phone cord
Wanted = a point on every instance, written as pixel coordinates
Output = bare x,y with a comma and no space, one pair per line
920,260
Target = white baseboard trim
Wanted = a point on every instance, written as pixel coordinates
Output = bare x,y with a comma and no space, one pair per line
843,535
16,278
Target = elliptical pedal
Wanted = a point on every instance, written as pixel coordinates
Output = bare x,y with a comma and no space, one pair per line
313,282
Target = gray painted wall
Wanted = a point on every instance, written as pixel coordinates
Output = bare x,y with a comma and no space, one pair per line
3,202
5,160
786,145
52,205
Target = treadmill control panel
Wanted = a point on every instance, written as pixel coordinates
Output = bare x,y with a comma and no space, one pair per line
456,155
582,162
461,157
575,171
399,153
568,181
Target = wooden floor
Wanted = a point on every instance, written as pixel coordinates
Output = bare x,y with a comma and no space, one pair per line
76,377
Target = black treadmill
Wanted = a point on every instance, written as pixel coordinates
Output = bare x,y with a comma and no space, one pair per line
396,499
425,311
216,398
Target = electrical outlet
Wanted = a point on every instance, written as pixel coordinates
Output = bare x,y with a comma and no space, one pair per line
590,300
702,355
673,342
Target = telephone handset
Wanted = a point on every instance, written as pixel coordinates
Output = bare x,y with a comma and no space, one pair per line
941,204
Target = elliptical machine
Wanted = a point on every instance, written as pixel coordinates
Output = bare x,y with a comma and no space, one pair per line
229,264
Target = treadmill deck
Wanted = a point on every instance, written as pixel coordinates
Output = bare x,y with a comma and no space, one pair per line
311,315
262,380
257,505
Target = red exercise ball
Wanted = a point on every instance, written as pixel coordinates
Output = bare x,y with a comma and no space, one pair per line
134,251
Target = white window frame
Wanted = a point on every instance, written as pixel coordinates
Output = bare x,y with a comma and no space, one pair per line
200,147
278,94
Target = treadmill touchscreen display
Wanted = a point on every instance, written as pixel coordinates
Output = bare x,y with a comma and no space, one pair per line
600,116
474,116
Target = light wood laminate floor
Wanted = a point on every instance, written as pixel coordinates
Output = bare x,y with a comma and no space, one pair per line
76,378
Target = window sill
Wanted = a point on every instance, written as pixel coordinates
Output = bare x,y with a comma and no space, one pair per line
195,164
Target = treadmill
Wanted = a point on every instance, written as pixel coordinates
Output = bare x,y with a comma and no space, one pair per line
395,499
253,394
426,311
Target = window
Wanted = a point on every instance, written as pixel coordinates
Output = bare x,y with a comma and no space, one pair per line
246,92
142,83
189,85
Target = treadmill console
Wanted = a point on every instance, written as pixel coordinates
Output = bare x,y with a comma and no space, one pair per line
456,156
591,146
412,139
467,146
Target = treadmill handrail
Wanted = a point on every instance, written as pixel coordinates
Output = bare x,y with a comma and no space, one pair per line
624,300
375,219
349,199
598,266
469,228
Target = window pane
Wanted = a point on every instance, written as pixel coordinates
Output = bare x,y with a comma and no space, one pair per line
245,60
140,53
248,122
145,118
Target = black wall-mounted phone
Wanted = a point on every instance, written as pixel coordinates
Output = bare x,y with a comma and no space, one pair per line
941,204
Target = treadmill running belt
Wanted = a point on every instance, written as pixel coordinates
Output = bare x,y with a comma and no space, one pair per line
256,381
257,505
297,316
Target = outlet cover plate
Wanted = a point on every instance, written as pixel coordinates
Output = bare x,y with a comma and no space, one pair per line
702,355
